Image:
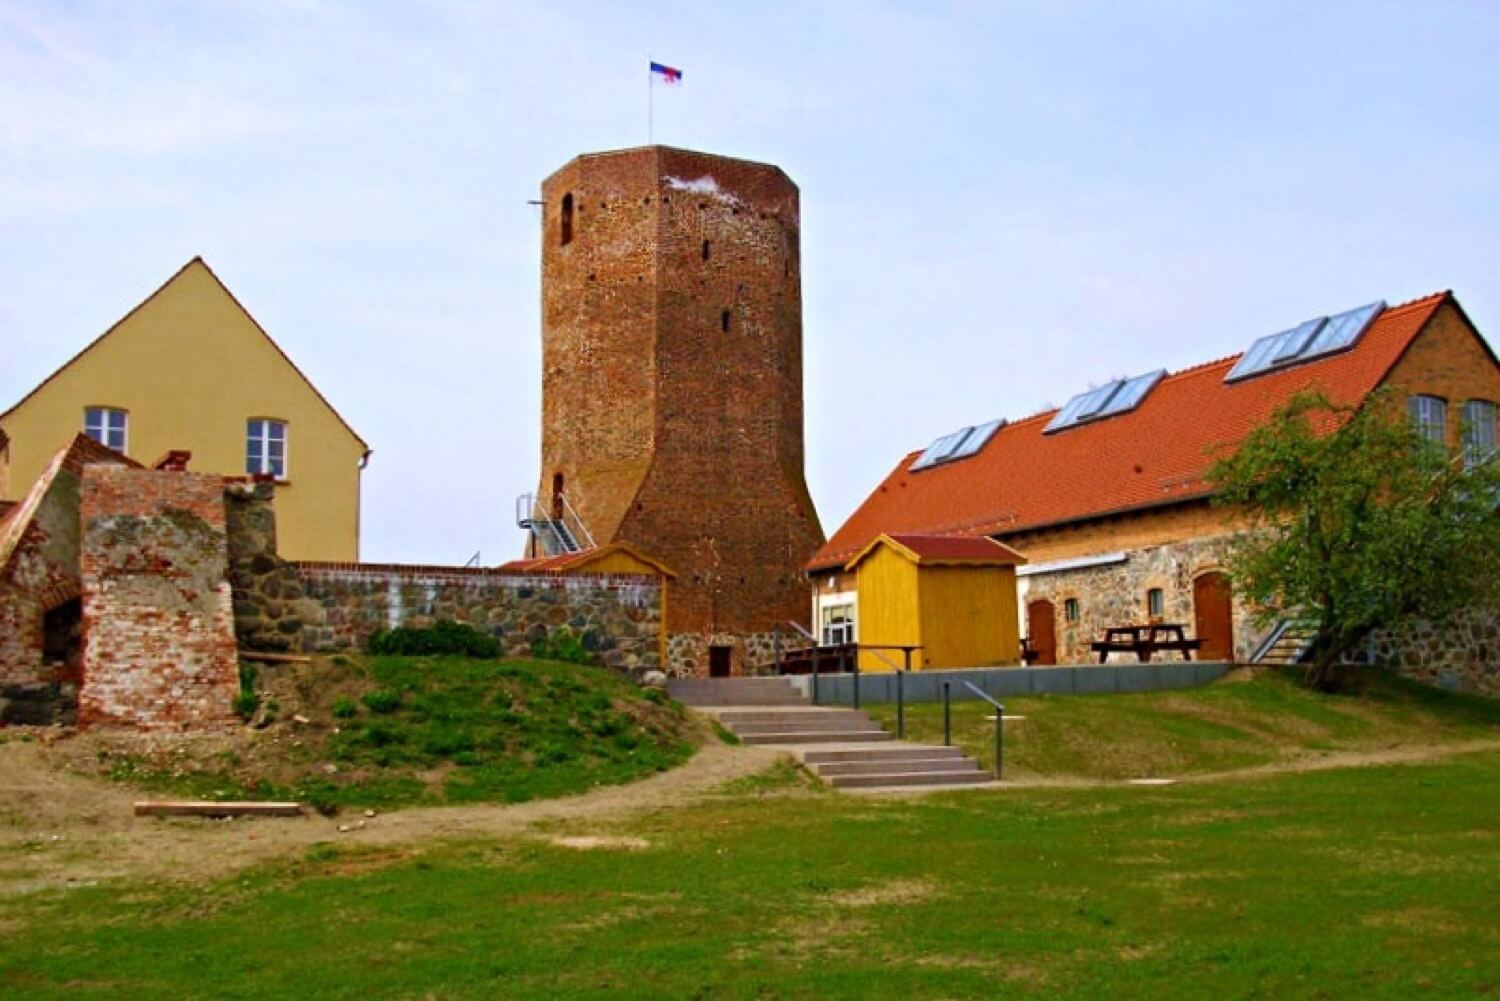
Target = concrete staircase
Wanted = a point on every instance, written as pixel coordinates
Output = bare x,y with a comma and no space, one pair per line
843,747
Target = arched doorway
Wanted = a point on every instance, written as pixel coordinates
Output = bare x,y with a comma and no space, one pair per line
1213,615
1041,630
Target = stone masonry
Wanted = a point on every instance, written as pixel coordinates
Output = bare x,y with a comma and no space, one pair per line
1113,594
672,382
321,607
159,649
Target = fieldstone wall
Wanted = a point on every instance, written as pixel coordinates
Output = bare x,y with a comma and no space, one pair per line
750,653
323,607
1462,655
159,650
1114,594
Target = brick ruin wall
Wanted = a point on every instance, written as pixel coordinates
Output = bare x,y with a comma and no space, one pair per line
39,680
159,643
326,607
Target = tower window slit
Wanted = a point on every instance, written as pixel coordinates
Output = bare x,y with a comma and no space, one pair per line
724,321
566,229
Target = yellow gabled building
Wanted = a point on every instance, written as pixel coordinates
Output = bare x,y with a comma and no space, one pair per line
954,598
190,369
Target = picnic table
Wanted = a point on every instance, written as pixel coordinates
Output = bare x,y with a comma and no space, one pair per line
1145,640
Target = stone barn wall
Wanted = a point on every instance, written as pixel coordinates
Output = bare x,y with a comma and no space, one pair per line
1462,655
1114,594
159,643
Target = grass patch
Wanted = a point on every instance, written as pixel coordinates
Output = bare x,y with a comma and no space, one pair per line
1227,725
393,730
1371,883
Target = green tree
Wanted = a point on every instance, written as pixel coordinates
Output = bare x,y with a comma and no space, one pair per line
1358,524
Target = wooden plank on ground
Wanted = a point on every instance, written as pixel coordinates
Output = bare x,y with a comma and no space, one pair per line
275,658
205,808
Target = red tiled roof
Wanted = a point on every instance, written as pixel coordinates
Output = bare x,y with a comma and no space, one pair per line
958,549
1156,454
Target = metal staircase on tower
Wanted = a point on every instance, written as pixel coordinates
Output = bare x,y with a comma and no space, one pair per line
555,530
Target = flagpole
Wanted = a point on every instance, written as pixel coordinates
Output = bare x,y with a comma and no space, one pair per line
650,101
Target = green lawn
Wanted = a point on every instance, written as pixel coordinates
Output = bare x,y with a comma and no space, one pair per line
398,730
1227,725
1369,883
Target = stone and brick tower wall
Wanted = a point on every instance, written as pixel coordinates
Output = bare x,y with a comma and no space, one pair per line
672,384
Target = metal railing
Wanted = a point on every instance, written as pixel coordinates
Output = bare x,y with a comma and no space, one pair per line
569,530
948,722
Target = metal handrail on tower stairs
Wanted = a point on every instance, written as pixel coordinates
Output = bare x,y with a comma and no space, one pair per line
555,536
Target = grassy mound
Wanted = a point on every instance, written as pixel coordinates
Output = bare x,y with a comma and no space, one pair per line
1237,722
398,730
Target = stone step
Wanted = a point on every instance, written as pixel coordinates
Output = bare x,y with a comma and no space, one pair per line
956,777
880,765
892,753
766,699
816,737
802,726
737,716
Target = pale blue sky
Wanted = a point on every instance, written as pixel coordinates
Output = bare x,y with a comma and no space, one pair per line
1001,203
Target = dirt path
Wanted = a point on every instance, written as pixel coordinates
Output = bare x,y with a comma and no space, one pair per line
1322,762
59,828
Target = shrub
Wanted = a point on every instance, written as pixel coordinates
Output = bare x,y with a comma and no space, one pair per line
382,700
248,700
563,645
439,638
344,707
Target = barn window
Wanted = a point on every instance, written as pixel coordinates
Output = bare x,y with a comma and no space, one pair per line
1070,610
1156,603
1478,432
107,426
566,231
1429,415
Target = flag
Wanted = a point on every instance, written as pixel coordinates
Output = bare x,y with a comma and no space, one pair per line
668,74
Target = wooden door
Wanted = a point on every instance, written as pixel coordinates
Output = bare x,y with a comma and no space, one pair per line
719,660
1041,629
1213,616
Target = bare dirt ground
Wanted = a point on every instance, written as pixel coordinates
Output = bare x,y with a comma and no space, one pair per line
59,828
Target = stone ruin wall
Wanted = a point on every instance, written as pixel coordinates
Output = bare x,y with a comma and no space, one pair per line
324,607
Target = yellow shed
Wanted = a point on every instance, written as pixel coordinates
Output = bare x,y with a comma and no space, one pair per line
953,597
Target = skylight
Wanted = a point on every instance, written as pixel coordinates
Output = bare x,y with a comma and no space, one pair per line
1311,339
959,445
1110,400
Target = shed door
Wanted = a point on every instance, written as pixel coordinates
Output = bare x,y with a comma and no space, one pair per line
1041,628
1213,618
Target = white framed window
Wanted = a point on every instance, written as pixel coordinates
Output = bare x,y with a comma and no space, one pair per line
108,426
265,447
1478,432
1429,415
838,624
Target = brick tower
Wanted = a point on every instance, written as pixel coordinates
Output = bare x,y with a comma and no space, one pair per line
672,386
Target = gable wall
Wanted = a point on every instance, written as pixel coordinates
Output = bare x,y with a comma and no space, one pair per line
1447,360
191,367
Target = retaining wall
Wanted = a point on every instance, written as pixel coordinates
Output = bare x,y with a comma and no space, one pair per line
927,686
